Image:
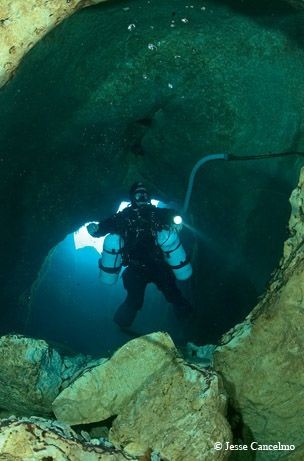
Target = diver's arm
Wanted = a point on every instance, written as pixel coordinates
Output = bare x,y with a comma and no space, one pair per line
106,226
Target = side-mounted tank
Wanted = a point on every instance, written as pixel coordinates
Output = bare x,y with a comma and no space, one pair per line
175,256
174,253
111,260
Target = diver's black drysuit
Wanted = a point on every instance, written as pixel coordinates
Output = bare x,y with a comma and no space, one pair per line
138,226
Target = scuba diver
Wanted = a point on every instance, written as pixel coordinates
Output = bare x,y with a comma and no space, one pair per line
145,239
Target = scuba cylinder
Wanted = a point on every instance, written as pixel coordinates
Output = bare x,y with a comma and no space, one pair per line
110,262
174,253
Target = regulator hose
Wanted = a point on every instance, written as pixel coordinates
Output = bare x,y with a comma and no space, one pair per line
229,157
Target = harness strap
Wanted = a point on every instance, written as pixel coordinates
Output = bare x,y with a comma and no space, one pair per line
113,251
109,270
171,251
181,264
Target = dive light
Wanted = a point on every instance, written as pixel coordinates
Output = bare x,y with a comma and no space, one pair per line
177,219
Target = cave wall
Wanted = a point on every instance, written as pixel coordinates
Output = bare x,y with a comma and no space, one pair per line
260,359
123,91
23,24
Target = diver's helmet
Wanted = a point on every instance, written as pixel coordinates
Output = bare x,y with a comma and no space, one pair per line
139,195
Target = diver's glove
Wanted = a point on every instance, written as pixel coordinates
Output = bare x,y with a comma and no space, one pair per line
92,228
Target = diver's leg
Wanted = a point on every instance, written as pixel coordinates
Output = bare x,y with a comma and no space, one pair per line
166,283
135,284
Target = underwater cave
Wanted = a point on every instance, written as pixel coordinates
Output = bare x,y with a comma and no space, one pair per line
96,95
141,90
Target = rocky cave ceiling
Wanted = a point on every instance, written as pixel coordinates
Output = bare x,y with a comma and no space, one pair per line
128,90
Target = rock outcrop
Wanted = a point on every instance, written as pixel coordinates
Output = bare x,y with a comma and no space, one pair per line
166,408
296,222
163,404
261,360
23,24
43,440
32,374
179,414
104,390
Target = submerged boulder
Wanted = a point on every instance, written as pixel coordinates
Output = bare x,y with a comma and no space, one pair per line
104,390
44,440
178,414
261,360
32,374
165,406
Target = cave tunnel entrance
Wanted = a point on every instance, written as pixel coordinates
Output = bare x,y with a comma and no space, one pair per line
72,309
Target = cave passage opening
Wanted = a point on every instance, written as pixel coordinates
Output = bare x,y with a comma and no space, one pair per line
72,309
